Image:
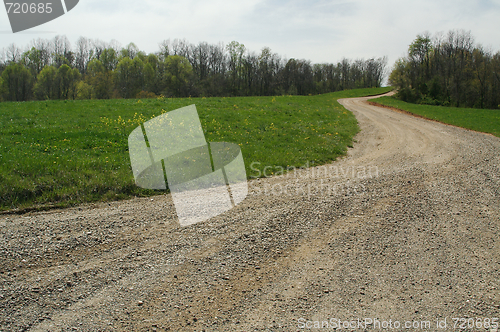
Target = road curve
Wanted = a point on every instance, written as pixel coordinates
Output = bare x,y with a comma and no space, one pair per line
405,228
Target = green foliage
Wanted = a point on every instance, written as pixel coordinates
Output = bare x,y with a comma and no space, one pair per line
68,152
68,80
398,77
484,120
35,60
84,90
178,71
419,51
55,83
100,79
3,88
47,85
129,77
149,77
451,72
17,83
95,67
109,59
130,51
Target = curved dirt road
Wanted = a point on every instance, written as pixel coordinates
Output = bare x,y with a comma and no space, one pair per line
406,228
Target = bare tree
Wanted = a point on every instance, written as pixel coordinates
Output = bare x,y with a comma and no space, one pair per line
62,53
164,49
83,54
98,47
13,53
3,58
180,47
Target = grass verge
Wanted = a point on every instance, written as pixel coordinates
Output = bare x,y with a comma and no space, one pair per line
482,120
62,153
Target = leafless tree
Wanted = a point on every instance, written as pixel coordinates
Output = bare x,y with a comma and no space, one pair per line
83,54
13,53
62,53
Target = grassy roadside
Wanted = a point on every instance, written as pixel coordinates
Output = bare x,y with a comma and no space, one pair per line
62,153
483,120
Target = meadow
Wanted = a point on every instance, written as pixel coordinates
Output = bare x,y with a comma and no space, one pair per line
483,120
62,153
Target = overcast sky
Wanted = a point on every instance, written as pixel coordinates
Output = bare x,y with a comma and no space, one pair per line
316,30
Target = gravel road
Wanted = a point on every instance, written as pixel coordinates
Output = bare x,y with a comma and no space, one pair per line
405,229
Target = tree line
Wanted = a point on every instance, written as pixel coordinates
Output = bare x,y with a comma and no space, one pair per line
449,70
92,69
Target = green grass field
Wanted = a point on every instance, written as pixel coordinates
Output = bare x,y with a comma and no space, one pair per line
62,153
483,120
